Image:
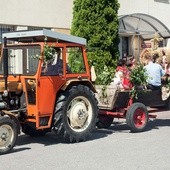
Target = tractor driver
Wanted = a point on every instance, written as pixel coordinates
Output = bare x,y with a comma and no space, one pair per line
55,67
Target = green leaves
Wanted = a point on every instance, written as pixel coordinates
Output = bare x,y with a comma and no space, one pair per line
138,78
75,60
48,53
97,21
104,66
106,76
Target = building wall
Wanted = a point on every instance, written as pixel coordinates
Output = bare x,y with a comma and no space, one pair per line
57,14
157,8
39,13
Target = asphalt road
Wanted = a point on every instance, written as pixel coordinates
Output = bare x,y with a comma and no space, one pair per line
112,149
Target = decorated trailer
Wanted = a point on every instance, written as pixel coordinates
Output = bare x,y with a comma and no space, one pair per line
114,102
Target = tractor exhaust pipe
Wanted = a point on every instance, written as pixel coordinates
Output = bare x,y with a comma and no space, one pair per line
5,62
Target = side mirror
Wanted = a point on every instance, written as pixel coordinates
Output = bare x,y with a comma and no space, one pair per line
5,62
5,58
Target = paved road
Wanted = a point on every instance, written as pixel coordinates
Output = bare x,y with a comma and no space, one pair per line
112,149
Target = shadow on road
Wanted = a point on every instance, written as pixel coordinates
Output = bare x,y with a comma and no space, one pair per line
122,127
155,124
52,139
48,139
19,149
116,127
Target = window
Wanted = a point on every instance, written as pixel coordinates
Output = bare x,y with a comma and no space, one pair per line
37,28
162,1
125,47
54,66
33,53
4,29
22,60
75,60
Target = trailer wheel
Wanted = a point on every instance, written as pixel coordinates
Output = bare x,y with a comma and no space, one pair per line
137,117
75,114
8,134
104,121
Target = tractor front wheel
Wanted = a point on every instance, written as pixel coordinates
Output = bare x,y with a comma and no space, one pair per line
137,117
8,134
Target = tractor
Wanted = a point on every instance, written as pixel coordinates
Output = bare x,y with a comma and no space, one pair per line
45,86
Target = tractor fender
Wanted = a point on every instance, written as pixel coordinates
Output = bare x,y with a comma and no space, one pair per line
74,82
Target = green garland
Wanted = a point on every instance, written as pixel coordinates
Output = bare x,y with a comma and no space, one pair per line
49,52
138,78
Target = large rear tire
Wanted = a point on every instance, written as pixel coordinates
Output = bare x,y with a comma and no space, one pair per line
137,117
8,134
75,114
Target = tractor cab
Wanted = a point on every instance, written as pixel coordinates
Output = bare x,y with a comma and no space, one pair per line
45,86
35,67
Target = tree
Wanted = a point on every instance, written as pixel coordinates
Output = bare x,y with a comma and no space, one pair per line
97,21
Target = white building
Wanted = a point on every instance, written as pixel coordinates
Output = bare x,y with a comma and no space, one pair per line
141,20
135,31
34,14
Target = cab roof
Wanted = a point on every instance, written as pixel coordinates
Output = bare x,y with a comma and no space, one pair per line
41,35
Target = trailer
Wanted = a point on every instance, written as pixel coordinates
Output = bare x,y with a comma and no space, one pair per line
114,102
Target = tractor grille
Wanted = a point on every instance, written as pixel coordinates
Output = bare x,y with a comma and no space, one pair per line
44,121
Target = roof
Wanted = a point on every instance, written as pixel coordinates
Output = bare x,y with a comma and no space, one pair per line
143,25
39,36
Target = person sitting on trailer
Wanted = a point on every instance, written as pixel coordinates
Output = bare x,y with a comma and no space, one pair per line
131,62
154,71
122,76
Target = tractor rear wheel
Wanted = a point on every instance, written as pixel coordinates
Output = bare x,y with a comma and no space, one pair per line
8,134
104,121
137,117
75,114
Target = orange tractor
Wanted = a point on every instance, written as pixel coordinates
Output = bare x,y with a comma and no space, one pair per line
45,86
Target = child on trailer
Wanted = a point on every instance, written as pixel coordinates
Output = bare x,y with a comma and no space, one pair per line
122,76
